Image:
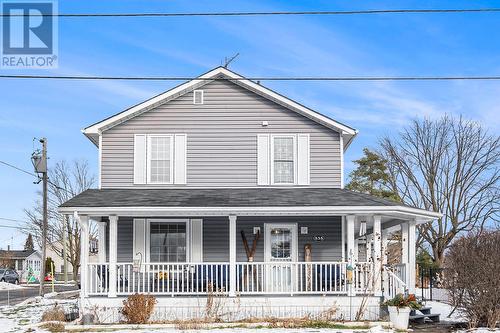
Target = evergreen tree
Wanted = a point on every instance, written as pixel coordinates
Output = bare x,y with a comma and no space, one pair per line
371,176
29,246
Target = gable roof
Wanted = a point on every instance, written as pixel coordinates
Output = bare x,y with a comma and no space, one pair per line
93,131
16,254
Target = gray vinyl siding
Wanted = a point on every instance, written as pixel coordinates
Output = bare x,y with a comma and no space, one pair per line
216,237
221,139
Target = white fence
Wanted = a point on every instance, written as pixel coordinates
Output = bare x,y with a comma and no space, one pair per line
252,278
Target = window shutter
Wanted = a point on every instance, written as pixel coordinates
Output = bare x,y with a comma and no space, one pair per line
263,159
196,240
303,159
140,159
180,159
139,241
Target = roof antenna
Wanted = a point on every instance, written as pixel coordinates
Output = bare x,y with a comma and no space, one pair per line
228,61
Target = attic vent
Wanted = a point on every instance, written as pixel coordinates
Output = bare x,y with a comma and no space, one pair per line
198,97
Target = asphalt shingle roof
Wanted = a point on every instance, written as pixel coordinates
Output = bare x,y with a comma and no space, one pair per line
16,254
230,197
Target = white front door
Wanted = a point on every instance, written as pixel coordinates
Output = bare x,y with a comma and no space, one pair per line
280,252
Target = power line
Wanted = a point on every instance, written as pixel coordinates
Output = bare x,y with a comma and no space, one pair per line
269,78
18,168
14,227
12,220
34,175
271,13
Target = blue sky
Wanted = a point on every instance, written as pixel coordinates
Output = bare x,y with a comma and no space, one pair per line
356,45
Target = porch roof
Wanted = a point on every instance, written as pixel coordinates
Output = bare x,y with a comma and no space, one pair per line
227,198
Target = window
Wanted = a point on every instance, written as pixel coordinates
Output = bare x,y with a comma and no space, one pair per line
283,163
160,159
198,97
167,242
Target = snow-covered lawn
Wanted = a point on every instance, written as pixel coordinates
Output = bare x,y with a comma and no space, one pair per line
18,318
9,286
445,309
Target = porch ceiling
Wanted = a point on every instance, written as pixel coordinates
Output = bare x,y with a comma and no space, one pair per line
241,201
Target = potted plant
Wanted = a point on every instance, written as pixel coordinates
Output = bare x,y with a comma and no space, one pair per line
399,310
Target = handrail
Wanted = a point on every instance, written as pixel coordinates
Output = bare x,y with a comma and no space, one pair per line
394,284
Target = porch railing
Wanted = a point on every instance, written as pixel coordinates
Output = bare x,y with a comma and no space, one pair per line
252,278
394,282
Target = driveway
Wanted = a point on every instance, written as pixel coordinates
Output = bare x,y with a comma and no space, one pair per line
18,295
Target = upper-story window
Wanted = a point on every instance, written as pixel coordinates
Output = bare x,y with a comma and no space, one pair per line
283,159
160,159
283,152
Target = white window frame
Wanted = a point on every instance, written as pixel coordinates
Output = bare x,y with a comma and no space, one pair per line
202,96
148,158
294,137
176,221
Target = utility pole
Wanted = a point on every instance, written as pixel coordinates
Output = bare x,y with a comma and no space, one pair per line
43,171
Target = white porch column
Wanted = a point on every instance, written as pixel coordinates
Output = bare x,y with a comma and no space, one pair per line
84,253
411,256
369,239
404,248
350,220
385,242
377,255
102,241
232,255
113,247
343,238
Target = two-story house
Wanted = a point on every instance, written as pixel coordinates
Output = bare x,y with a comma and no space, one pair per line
221,185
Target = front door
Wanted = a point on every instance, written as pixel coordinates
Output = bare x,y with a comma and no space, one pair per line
280,254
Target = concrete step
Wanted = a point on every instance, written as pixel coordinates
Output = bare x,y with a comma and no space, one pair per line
423,310
421,319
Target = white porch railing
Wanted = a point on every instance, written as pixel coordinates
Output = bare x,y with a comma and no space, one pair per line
252,278
394,281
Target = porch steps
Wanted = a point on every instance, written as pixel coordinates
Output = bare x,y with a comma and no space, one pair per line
423,316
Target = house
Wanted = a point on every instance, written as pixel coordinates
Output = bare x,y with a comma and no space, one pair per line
26,262
55,252
189,174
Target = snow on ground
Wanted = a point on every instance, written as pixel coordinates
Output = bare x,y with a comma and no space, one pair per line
17,318
445,309
377,329
9,286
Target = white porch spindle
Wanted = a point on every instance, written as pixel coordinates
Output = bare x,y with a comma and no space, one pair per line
102,241
232,255
411,256
84,253
404,248
377,255
113,247
350,220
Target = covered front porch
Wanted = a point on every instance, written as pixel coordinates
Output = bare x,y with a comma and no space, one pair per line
285,254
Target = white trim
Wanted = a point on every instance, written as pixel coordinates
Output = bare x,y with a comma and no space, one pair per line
341,161
267,240
135,250
202,96
97,128
188,235
343,229
148,158
196,238
140,159
100,160
263,159
232,255
180,158
294,138
425,215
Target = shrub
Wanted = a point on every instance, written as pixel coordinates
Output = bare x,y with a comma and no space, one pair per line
471,276
138,308
55,313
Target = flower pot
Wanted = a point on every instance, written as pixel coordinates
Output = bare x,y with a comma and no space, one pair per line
399,317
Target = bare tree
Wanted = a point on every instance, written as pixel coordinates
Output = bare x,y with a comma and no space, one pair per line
449,165
65,182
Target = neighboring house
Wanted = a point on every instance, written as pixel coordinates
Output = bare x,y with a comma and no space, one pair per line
23,261
184,174
54,252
